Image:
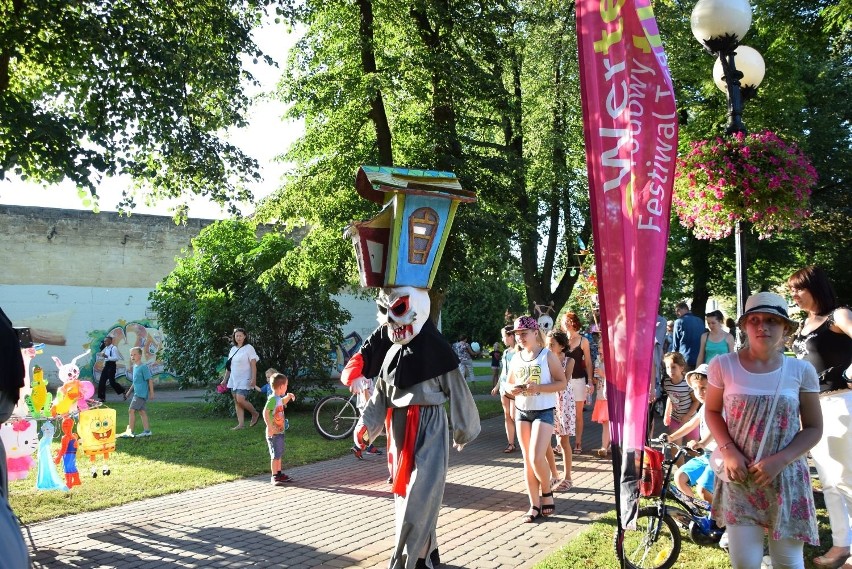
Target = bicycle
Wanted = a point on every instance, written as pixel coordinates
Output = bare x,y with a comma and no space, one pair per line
656,541
335,416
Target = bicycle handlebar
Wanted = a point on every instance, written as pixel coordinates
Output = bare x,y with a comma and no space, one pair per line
663,442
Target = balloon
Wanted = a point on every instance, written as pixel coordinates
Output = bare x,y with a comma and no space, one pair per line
40,400
475,347
96,428
20,439
48,477
68,453
73,393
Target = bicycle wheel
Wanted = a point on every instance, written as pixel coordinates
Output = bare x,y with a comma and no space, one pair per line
654,544
335,417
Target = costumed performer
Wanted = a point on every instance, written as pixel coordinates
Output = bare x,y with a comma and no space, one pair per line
416,370
419,373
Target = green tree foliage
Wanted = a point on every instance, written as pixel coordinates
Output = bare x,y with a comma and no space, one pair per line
487,90
806,48
490,91
104,87
480,297
231,280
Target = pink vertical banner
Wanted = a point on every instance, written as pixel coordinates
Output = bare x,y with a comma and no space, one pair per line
630,125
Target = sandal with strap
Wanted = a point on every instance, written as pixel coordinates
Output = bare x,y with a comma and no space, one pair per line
530,518
548,509
565,485
509,448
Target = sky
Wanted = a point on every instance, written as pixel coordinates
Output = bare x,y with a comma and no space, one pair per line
266,136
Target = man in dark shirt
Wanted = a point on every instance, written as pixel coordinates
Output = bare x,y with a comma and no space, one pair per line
12,545
687,332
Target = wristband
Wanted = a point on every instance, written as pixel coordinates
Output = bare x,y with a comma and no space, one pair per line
726,445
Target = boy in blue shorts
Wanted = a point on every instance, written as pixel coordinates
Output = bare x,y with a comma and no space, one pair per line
273,416
697,471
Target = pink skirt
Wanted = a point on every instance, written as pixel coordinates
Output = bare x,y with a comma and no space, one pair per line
600,414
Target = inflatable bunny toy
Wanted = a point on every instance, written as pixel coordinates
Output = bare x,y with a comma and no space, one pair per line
73,394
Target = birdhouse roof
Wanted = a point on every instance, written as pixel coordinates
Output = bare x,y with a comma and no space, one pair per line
375,182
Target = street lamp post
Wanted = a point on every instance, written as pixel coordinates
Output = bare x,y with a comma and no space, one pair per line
719,25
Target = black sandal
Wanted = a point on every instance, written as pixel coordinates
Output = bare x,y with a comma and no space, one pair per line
509,448
530,518
548,509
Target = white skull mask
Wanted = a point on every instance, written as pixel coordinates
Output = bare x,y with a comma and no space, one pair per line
403,310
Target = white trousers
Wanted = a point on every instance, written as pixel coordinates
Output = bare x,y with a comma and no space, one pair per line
745,547
833,459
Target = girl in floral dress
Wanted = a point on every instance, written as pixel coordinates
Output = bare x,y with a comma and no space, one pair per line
773,493
566,413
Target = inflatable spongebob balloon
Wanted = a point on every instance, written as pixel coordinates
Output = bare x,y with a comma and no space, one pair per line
96,428
40,400
20,439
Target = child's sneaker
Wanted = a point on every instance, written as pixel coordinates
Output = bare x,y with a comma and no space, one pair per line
373,450
127,434
356,450
281,479
144,434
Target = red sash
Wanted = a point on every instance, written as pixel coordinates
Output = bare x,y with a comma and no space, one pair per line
404,465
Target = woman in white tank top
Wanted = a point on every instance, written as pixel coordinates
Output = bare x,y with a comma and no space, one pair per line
535,377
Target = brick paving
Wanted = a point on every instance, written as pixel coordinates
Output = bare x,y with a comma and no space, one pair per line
338,513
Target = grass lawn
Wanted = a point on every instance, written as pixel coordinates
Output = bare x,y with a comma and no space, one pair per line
188,450
593,548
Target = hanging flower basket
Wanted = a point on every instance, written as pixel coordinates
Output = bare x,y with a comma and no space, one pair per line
757,178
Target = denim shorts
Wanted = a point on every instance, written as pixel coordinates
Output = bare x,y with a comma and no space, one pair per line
276,446
543,415
243,392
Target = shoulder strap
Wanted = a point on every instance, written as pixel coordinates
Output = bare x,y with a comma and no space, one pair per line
771,416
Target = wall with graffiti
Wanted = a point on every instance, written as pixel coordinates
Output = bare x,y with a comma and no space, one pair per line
74,277
69,320
125,335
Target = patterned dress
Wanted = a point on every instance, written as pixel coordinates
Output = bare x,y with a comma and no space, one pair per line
566,410
786,507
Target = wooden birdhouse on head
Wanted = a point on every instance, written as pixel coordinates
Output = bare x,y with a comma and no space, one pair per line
402,245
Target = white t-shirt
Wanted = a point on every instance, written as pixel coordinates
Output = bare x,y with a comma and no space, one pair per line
726,372
241,358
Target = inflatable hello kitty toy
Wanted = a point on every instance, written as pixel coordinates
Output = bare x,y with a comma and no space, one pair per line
73,394
20,439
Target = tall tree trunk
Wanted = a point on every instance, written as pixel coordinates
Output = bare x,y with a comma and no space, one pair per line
437,37
368,65
6,52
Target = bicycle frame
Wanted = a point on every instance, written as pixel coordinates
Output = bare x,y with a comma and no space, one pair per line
689,510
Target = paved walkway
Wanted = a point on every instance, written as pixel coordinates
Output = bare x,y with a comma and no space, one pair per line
338,513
